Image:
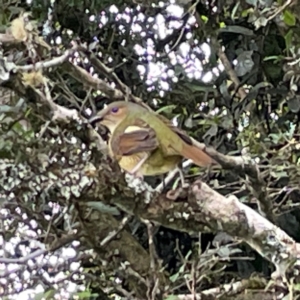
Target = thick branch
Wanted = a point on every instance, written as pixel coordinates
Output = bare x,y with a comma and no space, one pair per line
244,166
207,211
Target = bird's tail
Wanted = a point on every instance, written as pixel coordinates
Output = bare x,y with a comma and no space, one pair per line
198,156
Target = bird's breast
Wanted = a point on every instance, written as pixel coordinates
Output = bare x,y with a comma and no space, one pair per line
162,160
156,164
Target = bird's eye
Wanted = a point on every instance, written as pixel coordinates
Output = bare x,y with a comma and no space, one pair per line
114,110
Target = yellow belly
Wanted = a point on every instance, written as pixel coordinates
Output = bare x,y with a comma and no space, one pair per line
156,164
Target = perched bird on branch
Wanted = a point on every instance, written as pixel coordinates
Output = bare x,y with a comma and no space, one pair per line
145,143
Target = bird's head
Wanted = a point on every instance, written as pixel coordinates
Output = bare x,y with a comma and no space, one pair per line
113,114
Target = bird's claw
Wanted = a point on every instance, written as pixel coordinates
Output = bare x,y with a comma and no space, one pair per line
181,192
185,185
136,175
173,194
181,184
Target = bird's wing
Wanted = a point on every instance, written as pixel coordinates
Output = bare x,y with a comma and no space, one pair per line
177,130
187,149
136,138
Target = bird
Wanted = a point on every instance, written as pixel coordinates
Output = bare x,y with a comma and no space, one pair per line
146,143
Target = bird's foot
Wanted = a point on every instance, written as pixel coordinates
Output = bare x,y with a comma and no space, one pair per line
136,175
176,194
135,171
179,189
185,185
181,184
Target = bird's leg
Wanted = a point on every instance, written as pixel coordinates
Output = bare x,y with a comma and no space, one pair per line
183,183
170,177
163,181
175,193
138,166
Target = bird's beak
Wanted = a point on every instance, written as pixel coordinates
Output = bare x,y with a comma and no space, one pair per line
95,119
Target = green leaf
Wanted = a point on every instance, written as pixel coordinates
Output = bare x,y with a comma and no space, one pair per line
172,297
281,174
15,10
174,277
276,58
167,108
47,295
103,207
204,18
212,131
245,13
86,294
289,18
199,87
288,39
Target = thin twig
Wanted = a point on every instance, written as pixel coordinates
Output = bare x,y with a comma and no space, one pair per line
25,259
171,176
115,232
154,264
48,63
280,9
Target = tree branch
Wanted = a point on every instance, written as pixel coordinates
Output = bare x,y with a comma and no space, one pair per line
209,211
